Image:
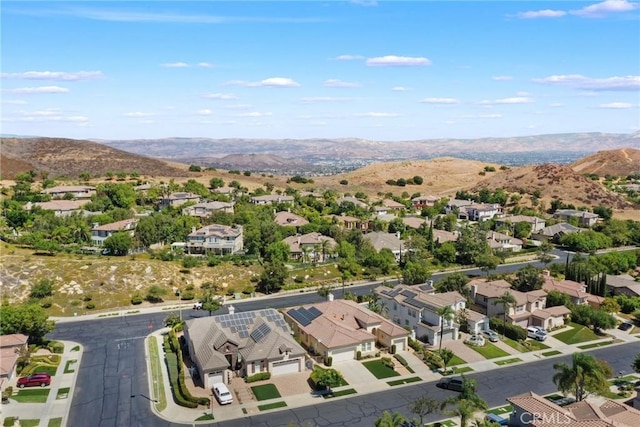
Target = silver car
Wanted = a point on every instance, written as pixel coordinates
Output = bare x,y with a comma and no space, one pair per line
491,335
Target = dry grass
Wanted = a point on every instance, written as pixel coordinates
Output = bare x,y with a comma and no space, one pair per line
622,162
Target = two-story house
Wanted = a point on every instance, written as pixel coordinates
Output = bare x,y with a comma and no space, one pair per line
416,308
351,223
585,219
537,224
177,199
75,191
60,208
310,245
391,241
503,242
555,232
10,347
348,199
457,205
100,233
288,219
424,201
271,199
207,209
216,239
576,291
481,211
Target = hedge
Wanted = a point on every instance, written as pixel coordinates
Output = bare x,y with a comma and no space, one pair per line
172,366
386,361
56,347
181,392
512,331
401,359
393,349
260,376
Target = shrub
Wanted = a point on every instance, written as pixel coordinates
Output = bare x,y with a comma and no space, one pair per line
7,393
401,360
393,349
187,295
512,331
46,303
55,347
329,361
137,299
10,421
190,262
90,306
386,361
260,376
358,355
344,182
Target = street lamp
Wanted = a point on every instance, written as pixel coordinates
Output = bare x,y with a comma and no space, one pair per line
179,308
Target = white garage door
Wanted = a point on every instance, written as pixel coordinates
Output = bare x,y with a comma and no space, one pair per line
214,377
399,345
342,355
285,367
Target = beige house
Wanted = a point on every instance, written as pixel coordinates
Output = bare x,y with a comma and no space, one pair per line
270,199
585,219
288,219
10,345
76,191
391,241
216,239
351,223
341,328
242,344
576,291
503,242
622,285
178,199
206,209
311,245
60,208
392,204
537,224
100,233
424,201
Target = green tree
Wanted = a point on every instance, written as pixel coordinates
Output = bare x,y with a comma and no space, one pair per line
28,319
277,251
42,289
586,375
456,281
328,378
636,364
414,273
445,253
210,303
610,305
155,293
528,279
423,406
507,300
555,298
272,278
522,230
487,262
544,253
216,182
446,354
390,419
471,246
446,314
119,243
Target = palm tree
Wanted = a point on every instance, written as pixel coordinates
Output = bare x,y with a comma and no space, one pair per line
446,313
446,355
585,376
507,300
306,250
463,408
390,419
324,246
423,406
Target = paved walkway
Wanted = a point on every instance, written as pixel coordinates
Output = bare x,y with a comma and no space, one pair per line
55,406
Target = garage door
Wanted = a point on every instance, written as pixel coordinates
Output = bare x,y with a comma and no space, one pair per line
285,367
399,345
214,377
342,355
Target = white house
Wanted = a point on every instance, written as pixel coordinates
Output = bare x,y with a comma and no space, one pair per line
100,233
206,209
215,238
76,191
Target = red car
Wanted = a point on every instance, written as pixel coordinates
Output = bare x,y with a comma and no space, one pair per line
41,379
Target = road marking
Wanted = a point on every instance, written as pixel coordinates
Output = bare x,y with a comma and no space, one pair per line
131,338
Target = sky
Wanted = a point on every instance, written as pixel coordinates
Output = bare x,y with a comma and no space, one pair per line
378,70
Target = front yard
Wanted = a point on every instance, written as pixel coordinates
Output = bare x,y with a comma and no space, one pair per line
379,369
489,351
525,346
265,392
577,334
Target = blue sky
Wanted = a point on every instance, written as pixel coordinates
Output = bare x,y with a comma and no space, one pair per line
380,70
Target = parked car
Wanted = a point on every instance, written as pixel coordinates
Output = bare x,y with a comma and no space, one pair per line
476,340
625,326
452,383
36,379
491,335
222,393
536,333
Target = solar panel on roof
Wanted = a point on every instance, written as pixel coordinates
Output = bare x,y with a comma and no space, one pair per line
260,332
408,293
416,303
314,312
299,317
243,334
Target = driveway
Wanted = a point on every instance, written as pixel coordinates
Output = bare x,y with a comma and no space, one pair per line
462,350
354,372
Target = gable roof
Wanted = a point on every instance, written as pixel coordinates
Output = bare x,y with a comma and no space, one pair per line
569,287
68,189
125,224
310,239
416,298
381,240
286,218
560,228
392,204
217,230
497,288
13,340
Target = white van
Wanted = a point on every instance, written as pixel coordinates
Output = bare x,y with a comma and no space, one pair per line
222,393
536,333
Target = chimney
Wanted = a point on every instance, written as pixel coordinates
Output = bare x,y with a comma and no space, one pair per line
474,290
232,309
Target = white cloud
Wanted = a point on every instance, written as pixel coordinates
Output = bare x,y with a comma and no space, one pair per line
556,104
376,114
348,57
546,13
512,100
314,99
255,114
398,61
14,101
617,105
400,89
46,116
340,83
147,121
39,89
222,96
578,81
270,82
205,64
238,107
483,116
604,8
440,101
137,114
365,3
501,78
54,75
205,112
176,65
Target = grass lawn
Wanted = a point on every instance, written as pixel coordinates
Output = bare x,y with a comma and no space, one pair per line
40,368
379,370
576,334
205,417
156,375
29,423
456,361
34,395
55,422
76,348
625,378
489,351
594,345
68,369
551,353
265,392
63,393
507,409
405,381
525,346
339,393
508,361
272,406
462,370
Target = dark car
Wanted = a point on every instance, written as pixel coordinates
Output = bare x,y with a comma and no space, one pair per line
625,326
452,383
37,379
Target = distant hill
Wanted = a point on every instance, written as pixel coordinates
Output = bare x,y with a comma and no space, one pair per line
554,182
69,158
621,162
252,162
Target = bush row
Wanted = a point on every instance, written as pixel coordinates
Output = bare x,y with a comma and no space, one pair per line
401,360
181,392
515,332
260,376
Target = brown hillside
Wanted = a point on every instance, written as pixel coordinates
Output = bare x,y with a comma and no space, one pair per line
621,162
442,176
555,182
68,157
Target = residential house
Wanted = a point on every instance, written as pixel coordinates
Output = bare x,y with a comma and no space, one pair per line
242,344
216,239
342,329
60,208
622,284
100,233
391,241
288,219
576,291
206,209
503,242
75,191
442,236
351,223
415,222
480,212
416,308
178,199
424,201
348,199
227,191
310,245
392,204
533,410
529,310
537,224
555,232
382,211
585,219
457,205
271,199
10,346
